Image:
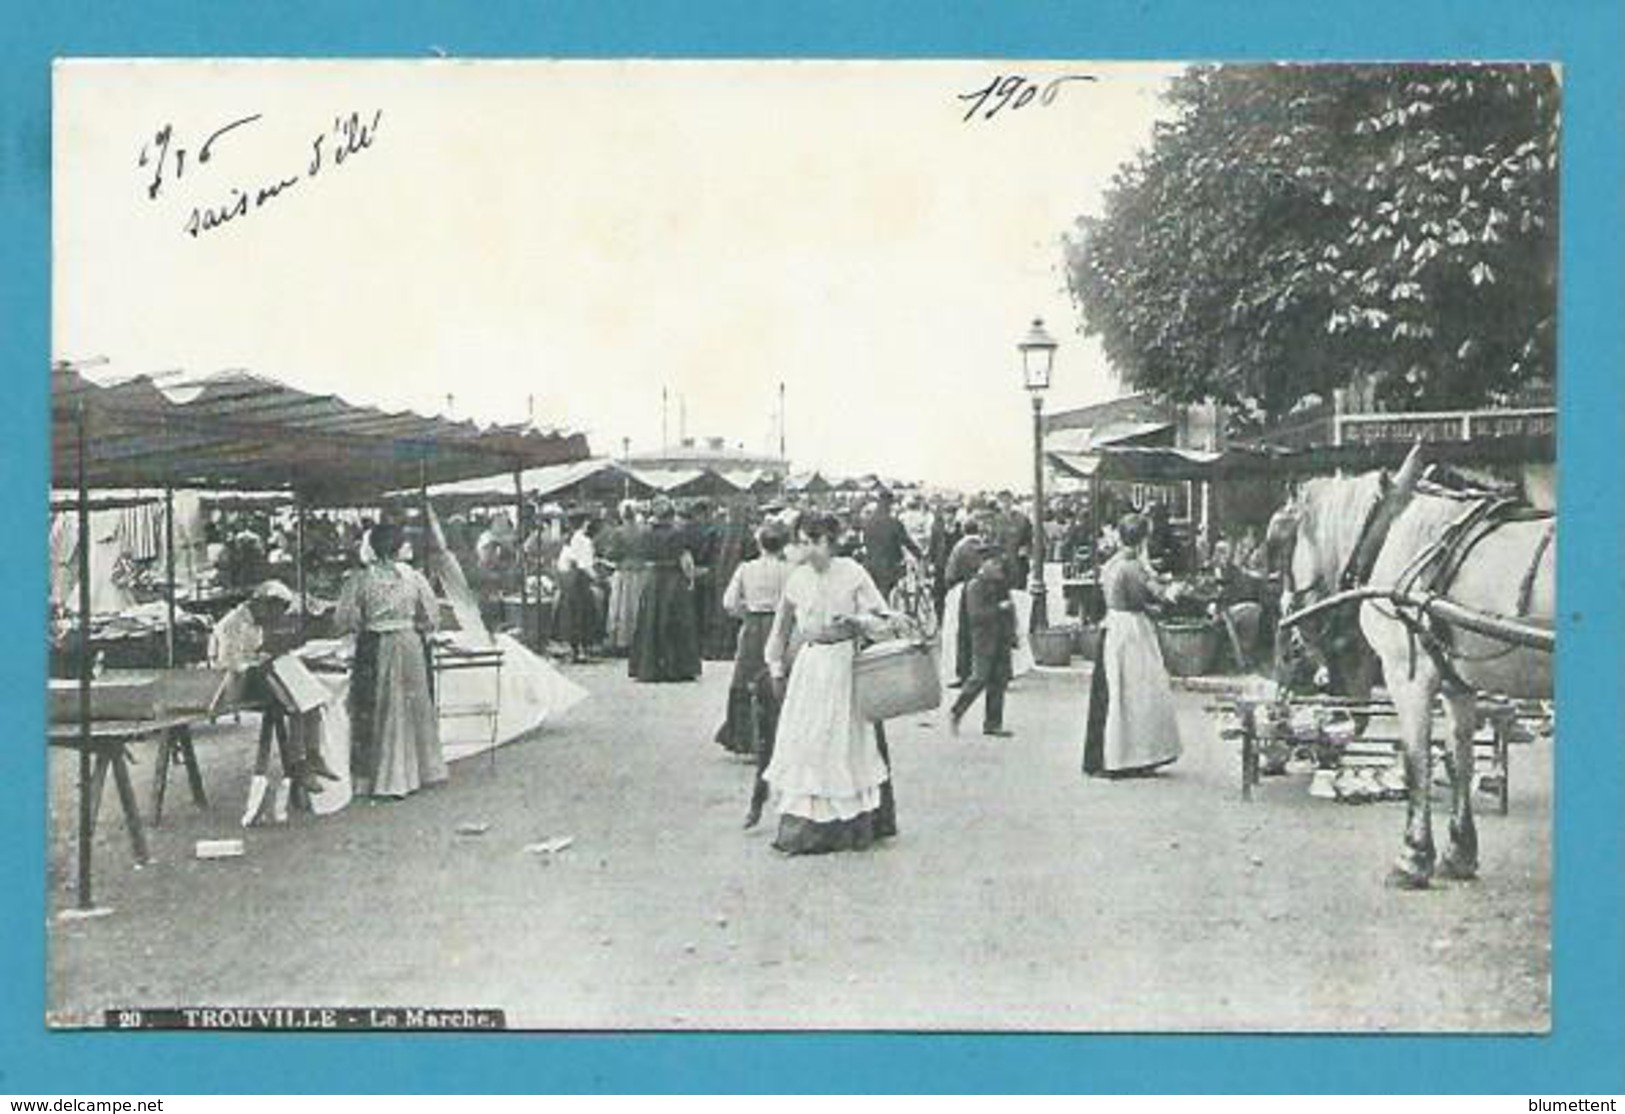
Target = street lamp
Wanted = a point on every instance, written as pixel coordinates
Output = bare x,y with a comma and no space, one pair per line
1037,364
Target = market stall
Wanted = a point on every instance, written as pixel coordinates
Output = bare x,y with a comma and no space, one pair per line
236,432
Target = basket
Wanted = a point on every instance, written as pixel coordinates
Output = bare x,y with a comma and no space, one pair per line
1189,649
1052,647
1087,640
896,678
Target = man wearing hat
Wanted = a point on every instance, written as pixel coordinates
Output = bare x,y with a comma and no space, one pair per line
991,618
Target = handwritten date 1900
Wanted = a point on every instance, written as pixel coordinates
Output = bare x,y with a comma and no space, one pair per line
1013,91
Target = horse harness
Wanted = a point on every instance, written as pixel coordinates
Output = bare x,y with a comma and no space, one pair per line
1432,572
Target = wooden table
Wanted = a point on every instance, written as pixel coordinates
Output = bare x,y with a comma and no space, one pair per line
105,744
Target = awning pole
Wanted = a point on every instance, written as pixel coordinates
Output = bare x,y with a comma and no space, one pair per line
519,536
84,894
299,562
1094,528
169,573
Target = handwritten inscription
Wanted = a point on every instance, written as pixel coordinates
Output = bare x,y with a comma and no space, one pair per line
167,162
1013,92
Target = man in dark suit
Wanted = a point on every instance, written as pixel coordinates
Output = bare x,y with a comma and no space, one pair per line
884,541
967,556
991,618
1013,533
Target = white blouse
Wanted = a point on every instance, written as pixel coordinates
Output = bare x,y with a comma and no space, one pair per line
579,554
757,586
813,600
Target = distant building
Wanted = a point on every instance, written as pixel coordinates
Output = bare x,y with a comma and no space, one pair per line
708,454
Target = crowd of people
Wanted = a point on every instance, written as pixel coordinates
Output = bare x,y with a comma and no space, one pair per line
789,593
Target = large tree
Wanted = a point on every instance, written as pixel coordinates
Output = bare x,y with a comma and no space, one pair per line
1293,227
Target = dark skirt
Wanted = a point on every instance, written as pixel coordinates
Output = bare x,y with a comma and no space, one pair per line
578,610
719,630
1094,735
721,635
739,732
800,836
666,646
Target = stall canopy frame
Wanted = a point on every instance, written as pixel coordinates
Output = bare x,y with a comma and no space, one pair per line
245,431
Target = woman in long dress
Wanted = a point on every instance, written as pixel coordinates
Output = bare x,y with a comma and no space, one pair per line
631,578
752,600
1133,726
615,552
732,548
578,613
666,646
394,731
829,771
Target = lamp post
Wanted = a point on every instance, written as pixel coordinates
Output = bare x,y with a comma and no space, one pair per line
1037,363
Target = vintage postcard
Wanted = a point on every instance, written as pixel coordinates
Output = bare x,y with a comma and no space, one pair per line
1034,546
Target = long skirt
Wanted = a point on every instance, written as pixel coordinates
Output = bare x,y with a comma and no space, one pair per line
1133,726
721,635
394,730
578,611
738,731
666,646
625,596
829,770
719,630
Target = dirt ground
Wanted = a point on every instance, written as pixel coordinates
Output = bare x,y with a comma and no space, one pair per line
1019,895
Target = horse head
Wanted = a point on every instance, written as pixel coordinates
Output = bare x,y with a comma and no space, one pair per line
1325,539
1333,528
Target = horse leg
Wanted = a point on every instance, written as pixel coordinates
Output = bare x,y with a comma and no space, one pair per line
1461,854
1413,869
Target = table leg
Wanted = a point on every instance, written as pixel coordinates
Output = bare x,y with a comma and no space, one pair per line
98,780
1249,755
132,808
194,775
160,775
496,715
1503,756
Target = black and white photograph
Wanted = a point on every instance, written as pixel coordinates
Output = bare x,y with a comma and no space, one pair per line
899,545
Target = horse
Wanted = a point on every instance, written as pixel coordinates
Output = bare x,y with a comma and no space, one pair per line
1406,546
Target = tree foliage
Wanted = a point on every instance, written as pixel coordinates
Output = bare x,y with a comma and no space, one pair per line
1293,227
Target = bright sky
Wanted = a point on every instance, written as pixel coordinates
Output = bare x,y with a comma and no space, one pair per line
590,232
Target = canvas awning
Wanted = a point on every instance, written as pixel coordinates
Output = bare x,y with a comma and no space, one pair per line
246,431
749,479
580,479
685,482
1167,464
1090,438
1146,465
811,483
